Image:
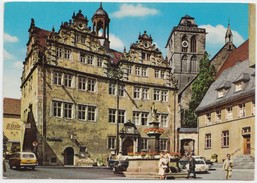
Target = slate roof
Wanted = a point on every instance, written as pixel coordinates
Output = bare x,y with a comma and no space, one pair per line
12,106
240,69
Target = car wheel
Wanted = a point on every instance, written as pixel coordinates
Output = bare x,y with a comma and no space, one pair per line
33,168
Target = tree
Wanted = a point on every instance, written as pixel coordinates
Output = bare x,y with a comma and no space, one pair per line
200,86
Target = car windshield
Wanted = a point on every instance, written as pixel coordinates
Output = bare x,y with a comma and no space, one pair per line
28,156
199,162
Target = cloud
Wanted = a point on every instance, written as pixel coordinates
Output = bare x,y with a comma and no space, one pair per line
130,10
216,35
7,55
215,38
9,38
11,85
116,43
18,65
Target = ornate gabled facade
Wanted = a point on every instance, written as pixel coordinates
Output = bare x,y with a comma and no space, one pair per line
69,102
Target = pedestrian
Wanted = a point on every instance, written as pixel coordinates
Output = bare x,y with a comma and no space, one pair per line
191,169
4,164
167,156
162,166
227,166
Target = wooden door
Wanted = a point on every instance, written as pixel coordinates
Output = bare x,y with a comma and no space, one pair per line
247,145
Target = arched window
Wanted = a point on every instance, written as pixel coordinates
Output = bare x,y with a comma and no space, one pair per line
193,44
184,63
193,64
184,43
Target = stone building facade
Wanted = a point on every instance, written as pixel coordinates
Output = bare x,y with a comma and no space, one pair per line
185,48
11,125
69,99
226,114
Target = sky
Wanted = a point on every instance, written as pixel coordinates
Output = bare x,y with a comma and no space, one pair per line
128,19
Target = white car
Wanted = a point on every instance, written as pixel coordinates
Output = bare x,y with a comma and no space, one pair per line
200,166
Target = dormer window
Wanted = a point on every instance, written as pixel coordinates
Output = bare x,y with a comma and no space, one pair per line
223,89
208,118
238,86
220,93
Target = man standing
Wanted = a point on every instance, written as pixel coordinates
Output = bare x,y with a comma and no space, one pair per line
191,163
227,166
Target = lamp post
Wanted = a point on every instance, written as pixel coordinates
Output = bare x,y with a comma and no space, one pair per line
115,72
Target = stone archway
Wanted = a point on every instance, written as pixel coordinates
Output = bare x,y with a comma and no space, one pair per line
127,146
69,156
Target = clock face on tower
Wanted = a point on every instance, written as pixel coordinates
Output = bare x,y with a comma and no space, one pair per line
184,44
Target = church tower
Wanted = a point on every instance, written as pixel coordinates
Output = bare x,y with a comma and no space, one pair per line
185,48
101,26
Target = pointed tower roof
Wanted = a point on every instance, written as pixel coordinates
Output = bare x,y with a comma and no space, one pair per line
229,35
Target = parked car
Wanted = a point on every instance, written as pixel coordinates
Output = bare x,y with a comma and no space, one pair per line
200,166
208,162
23,159
119,166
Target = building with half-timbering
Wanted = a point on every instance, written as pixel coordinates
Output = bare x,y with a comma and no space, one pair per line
69,103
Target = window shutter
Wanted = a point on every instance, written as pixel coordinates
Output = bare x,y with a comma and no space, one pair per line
222,142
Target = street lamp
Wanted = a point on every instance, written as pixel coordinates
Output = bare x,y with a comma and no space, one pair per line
114,71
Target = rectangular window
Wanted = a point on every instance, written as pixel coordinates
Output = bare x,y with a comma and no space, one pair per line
144,144
229,115
91,113
83,39
91,85
82,58
165,96
218,116
112,88
57,108
136,117
225,138
82,83
138,71
164,120
208,118
67,80
145,93
67,111
156,73
82,112
121,90
67,54
111,142
121,116
207,141
59,52
144,71
112,114
129,69
57,78
137,92
241,108
163,144
99,62
144,118
76,38
162,74
90,59
156,95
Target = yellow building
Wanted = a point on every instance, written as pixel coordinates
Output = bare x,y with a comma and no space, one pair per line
11,125
226,115
69,99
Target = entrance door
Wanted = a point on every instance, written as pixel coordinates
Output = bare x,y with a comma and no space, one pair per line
247,145
69,156
127,146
